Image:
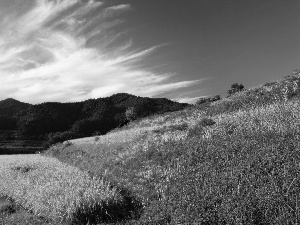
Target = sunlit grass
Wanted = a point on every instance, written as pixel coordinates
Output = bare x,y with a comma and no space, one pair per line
247,176
236,161
51,189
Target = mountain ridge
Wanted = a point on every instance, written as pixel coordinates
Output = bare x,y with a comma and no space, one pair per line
11,106
58,121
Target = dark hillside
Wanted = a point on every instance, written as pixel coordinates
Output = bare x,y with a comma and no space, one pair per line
8,108
145,106
61,121
48,117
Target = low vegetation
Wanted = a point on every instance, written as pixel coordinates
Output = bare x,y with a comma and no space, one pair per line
50,189
230,161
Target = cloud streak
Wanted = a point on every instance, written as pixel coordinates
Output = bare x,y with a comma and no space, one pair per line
60,50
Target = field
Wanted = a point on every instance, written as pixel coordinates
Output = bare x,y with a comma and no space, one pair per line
11,143
234,161
50,189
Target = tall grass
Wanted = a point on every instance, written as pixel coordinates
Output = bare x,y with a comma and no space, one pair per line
51,189
269,93
234,162
247,177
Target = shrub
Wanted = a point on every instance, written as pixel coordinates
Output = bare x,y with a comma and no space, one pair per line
202,100
235,88
206,99
181,127
296,72
206,122
160,130
46,145
57,137
269,84
131,113
216,98
67,143
97,133
230,128
196,131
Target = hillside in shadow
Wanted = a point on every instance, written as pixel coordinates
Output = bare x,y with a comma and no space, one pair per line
56,122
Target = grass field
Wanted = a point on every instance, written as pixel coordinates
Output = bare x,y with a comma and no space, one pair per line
235,161
11,143
61,193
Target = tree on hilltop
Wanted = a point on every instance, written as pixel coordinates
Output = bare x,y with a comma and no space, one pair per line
235,88
296,72
208,99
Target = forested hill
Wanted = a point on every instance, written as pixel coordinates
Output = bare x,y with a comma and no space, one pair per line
62,121
8,108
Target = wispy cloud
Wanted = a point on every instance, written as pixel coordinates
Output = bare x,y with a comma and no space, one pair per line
58,50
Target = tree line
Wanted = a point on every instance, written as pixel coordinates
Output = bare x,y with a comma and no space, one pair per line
57,122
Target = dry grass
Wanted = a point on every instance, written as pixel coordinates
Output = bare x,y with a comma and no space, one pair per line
51,189
236,161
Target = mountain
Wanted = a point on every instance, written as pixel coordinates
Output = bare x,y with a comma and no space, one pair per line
61,121
8,109
10,106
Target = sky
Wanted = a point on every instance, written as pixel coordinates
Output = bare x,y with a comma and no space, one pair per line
74,50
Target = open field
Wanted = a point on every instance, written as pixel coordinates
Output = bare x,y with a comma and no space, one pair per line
11,143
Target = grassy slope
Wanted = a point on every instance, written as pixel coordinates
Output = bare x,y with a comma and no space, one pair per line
233,162
50,190
13,214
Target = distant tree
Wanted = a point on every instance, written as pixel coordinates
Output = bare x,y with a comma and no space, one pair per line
123,123
53,138
131,113
235,88
216,98
206,99
202,101
296,72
